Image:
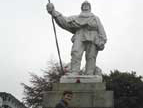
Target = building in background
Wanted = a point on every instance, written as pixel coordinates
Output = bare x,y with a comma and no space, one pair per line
9,101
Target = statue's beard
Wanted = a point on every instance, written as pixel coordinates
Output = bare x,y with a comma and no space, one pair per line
86,10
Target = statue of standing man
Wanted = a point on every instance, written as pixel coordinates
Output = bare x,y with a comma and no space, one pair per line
89,36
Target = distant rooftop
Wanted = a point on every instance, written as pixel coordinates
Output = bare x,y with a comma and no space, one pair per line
7,97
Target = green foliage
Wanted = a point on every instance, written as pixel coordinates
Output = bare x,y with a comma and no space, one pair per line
127,87
33,93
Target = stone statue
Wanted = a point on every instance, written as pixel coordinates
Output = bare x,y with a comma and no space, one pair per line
89,36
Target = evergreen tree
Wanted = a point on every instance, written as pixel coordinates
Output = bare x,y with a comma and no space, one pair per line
39,84
127,87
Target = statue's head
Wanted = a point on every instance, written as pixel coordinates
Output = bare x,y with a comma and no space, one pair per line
86,6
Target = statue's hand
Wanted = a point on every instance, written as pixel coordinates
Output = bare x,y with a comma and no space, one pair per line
100,45
50,7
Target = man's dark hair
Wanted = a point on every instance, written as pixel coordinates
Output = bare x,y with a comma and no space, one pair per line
67,92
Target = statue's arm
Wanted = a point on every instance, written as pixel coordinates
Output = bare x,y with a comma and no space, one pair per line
101,30
64,22
61,20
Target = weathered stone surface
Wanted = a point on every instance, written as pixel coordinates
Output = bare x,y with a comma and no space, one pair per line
88,96
81,78
78,86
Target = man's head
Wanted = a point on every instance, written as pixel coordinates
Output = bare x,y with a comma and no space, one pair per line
67,96
86,6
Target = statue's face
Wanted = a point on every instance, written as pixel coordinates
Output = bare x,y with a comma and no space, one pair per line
86,7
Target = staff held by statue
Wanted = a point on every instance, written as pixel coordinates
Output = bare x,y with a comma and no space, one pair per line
58,49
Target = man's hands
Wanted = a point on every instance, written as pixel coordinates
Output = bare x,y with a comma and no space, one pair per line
50,8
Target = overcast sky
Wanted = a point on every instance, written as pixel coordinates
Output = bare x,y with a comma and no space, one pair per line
27,39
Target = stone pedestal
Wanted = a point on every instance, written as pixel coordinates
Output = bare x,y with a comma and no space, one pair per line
86,95
81,78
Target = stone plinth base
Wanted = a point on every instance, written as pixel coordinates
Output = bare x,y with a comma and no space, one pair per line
86,95
81,79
